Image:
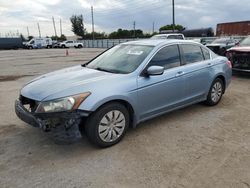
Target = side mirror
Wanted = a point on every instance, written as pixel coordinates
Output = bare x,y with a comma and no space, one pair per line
155,70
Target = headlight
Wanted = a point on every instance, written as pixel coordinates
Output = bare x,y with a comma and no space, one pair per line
62,104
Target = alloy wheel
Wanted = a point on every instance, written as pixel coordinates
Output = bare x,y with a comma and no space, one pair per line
216,92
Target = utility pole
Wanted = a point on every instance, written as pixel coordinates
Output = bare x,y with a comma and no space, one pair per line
93,26
54,26
153,27
173,16
134,28
61,26
39,29
28,31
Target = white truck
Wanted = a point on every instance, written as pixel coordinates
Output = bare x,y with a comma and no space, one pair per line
169,36
42,42
70,43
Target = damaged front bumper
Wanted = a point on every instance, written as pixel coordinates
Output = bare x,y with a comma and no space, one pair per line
48,121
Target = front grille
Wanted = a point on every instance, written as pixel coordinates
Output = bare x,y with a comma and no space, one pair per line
241,60
29,104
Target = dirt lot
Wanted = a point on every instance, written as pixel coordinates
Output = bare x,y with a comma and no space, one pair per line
197,146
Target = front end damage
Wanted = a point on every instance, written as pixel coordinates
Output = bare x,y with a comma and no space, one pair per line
240,60
63,125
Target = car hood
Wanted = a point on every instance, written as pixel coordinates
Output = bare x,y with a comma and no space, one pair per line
58,81
240,49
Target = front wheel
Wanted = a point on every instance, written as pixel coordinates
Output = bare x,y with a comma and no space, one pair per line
215,92
107,125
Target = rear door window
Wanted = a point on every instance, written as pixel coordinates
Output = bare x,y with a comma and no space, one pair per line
206,53
192,53
167,57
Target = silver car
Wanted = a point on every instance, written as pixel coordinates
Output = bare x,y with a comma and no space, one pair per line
127,84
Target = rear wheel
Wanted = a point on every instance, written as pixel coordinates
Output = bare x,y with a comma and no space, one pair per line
108,125
215,92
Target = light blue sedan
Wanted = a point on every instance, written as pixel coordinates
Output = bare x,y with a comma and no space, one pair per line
127,84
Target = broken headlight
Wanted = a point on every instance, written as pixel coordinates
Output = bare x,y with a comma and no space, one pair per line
62,104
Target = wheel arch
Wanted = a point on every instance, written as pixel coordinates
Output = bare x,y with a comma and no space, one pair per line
127,105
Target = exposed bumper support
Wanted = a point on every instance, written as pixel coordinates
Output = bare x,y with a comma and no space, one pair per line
47,121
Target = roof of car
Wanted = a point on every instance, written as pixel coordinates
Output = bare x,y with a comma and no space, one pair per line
159,42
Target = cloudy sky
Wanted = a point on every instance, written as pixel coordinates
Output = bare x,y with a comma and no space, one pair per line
110,15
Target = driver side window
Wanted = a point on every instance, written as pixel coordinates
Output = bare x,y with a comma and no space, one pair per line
168,57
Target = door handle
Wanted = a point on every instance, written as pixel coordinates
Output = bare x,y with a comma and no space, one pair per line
209,64
179,73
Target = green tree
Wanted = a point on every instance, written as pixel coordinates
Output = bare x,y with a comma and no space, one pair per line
78,25
123,33
170,27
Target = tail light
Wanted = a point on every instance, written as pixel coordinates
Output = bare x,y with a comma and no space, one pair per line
229,64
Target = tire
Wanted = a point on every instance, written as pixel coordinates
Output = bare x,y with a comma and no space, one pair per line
215,93
79,46
63,46
30,47
107,125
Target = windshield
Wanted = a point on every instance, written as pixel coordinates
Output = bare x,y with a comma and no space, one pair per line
221,41
121,58
245,42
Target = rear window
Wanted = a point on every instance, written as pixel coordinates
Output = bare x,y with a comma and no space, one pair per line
192,53
206,53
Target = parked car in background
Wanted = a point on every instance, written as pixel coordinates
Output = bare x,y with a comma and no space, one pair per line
220,46
71,43
42,42
127,84
169,36
206,41
56,45
240,56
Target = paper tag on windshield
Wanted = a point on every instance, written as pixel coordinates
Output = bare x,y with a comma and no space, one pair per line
130,52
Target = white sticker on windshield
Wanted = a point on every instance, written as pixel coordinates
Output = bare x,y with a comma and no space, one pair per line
131,52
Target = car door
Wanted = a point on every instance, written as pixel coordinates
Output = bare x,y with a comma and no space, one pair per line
195,71
69,43
158,94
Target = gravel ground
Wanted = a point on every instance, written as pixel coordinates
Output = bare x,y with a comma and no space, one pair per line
197,146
